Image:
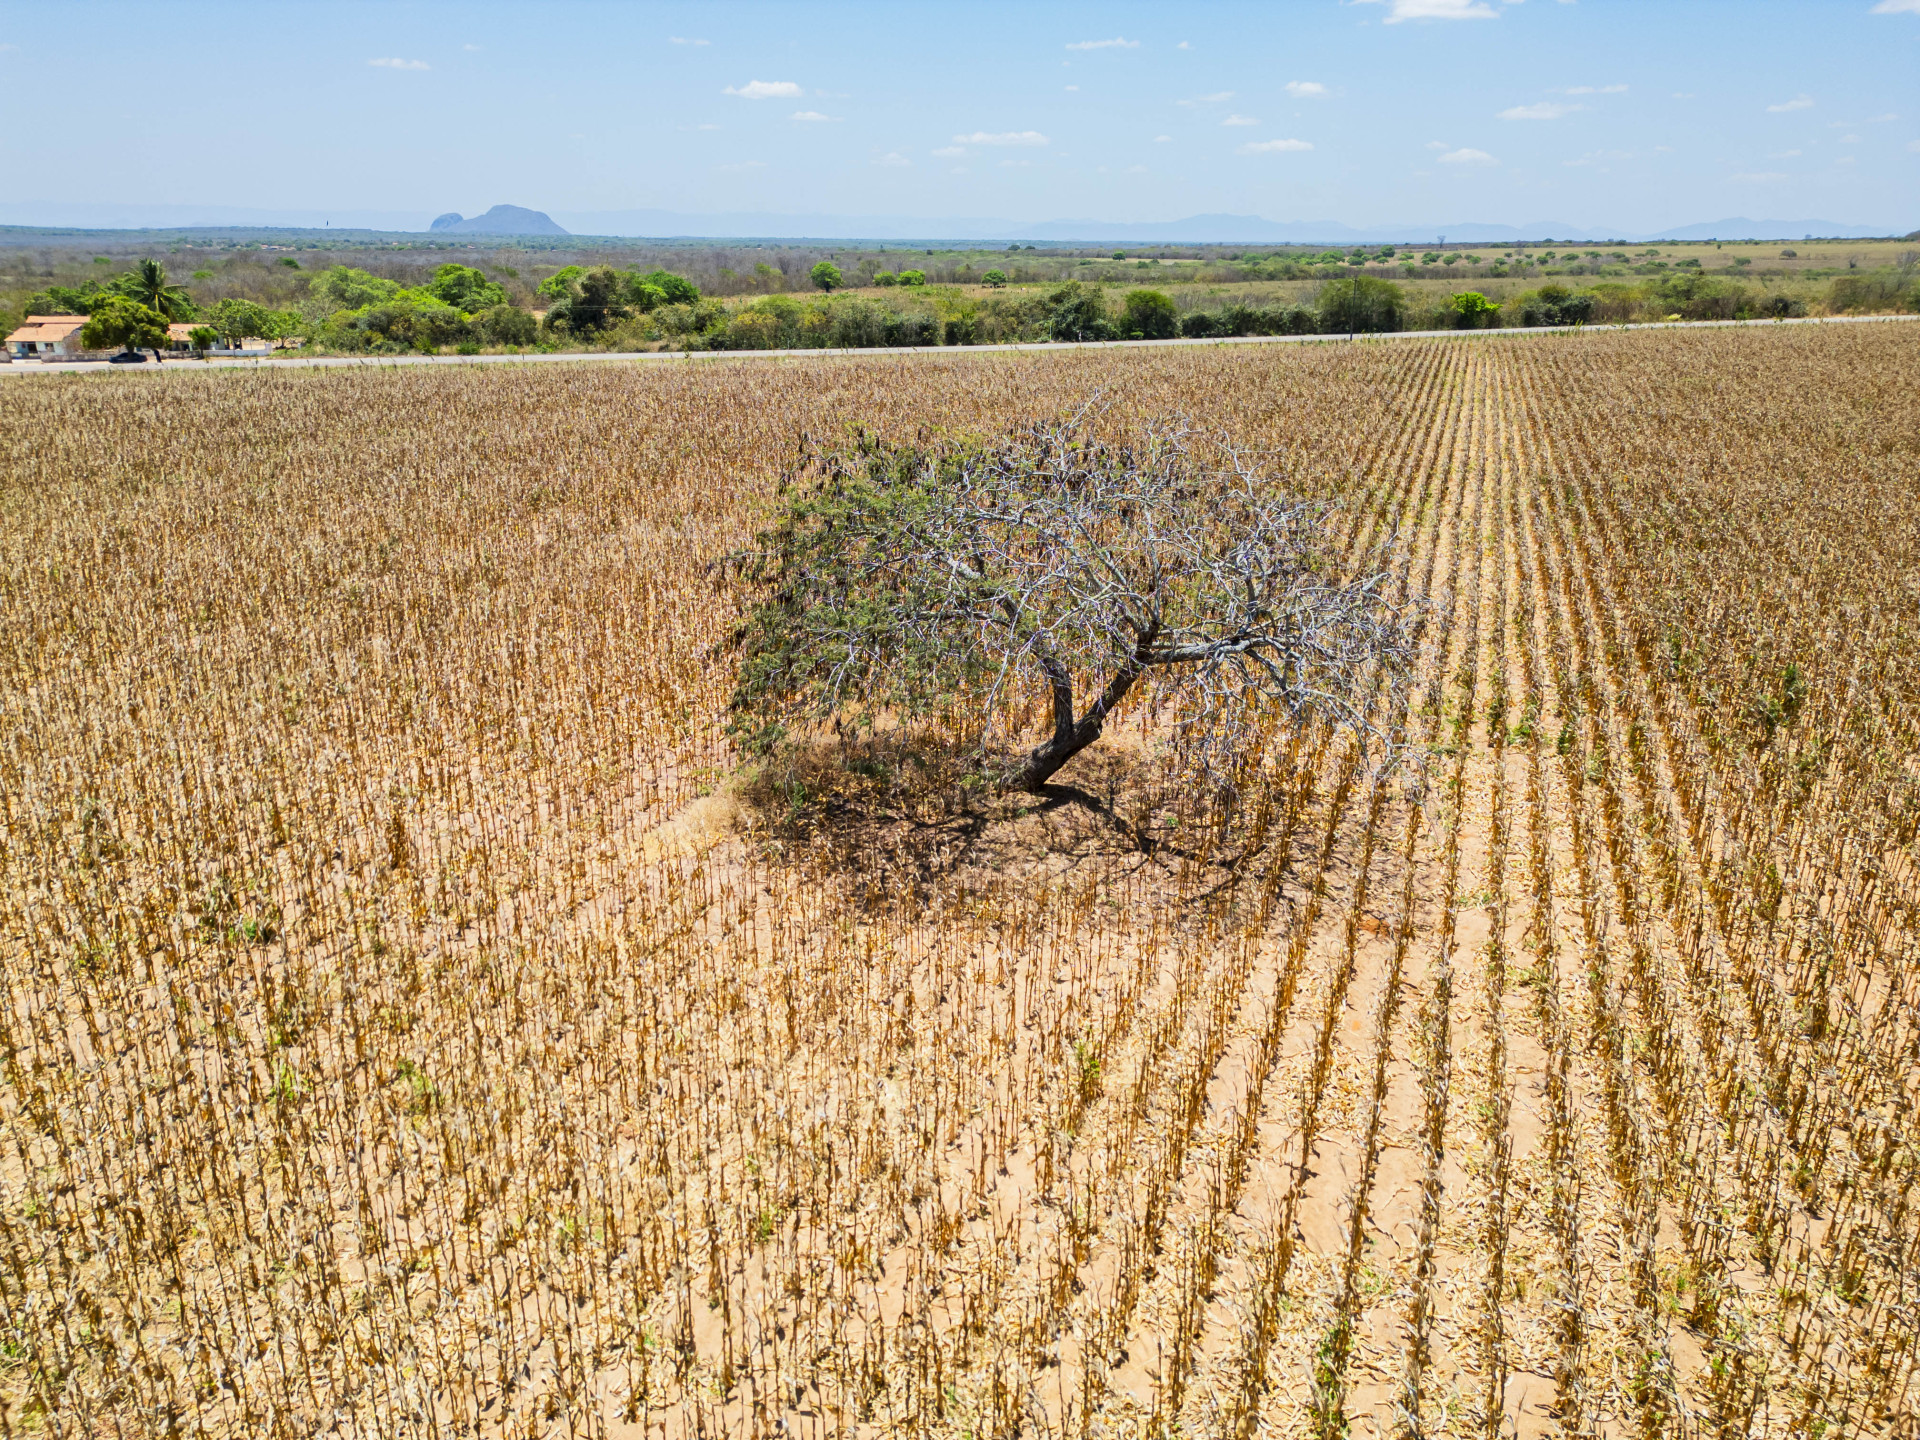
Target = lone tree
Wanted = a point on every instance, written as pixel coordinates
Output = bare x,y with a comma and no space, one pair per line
825,275
903,579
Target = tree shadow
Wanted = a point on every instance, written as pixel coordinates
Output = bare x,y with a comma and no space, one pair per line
902,813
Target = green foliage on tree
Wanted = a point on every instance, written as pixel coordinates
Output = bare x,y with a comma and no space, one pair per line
203,337
1077,312
67,299
124,323
825,276
913,277
674,289
465,289
1472,310
561,283
884,278
994,278
1149,315
506,325
346,288
147,284
905,581
1363,304
597,301
235,319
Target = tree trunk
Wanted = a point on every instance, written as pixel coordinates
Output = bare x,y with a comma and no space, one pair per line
1071,736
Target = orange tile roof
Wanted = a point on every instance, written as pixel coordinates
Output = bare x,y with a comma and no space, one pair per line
46,328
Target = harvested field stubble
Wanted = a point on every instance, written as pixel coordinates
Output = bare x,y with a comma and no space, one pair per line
405,1035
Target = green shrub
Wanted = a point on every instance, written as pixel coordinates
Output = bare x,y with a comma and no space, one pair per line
1363,304
1474,311
1555,305
913,277
506,325
1855,293
345,288
465,288
1149,315
1077,312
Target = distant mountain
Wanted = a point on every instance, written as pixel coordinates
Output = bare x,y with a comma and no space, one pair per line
1220,229
500,220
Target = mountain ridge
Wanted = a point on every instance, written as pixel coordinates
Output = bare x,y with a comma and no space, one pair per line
893,229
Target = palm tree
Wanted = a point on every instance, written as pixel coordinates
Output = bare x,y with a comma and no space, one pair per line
147,283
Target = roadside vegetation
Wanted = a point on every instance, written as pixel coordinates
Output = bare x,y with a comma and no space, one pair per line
648,297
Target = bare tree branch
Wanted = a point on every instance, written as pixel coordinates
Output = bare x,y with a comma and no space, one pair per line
898,577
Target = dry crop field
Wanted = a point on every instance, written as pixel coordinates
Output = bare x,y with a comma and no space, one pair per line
413,1026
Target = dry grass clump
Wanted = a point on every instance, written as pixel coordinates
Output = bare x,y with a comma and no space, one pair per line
418,1023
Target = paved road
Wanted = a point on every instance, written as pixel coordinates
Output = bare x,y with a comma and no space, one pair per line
96,367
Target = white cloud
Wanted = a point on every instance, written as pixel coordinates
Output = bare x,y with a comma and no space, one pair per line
1306,89
1114,44
1849,139
463,47
814,117
1799,102
1914,145
1219,97
1073,87
1896,7
1182,46
1784,155
1438,145
1001,137
1596,90
950,152
684,40
1684,95
1274,147
396,63
1600,157
1163,139
1136,170
766,90
1015,164
746,165
1763,177
1545,110
893,160
1239,120
1398,10
1467,156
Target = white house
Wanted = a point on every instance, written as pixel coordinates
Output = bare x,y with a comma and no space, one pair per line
48,337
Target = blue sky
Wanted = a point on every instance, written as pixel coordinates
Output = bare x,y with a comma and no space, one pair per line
1601,112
